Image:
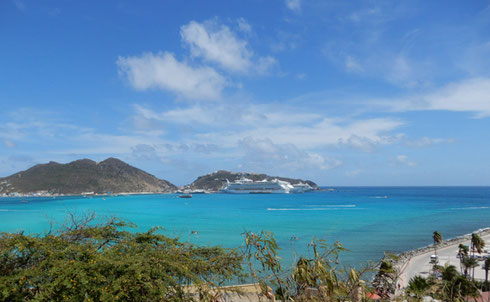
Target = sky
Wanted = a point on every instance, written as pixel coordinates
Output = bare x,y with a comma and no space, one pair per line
362,93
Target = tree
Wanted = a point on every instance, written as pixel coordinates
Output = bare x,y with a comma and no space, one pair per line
453,287
437,237
319,278
417,288
463,251
469,263
448,272
477,243
486,267
103,262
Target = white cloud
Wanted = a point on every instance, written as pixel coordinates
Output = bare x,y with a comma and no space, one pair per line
373,14
283,125
243,25
427,141
9,143
327,132
218,44
235,115
265,64
403,160
471,95
263,152
294,5
165,72
20,5
353,173
352,65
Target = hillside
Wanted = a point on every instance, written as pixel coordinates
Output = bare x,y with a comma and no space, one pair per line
110,175
216,180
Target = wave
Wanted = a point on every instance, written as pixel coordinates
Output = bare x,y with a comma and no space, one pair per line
308,209
470,208
384,196
9,210
332,205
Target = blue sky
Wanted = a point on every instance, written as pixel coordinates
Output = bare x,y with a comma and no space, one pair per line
340,92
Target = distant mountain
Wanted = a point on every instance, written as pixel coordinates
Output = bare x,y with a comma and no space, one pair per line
110,175
216,180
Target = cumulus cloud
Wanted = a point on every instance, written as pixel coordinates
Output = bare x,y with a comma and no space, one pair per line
294,5
218,44
231,115
403,160
471,95
318,134
144,152
369,144
352,65
164,71
243,25
286,125
264,152
427,141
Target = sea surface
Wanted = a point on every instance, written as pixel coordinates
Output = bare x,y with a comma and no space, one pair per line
366,220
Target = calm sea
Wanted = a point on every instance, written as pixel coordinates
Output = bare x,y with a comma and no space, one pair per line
366,220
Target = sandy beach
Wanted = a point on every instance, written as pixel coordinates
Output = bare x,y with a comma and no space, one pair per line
417,262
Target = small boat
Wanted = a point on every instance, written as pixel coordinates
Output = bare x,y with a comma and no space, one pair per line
185,196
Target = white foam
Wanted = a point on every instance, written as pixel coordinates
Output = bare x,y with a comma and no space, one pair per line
308,209
470,208
332,205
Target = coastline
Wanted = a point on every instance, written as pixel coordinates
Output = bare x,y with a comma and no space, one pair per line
411,262
19,195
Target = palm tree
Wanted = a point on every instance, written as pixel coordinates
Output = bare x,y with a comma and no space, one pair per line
462,252
437,236
417,287
459,289
448,272
486,267
469,263
477,243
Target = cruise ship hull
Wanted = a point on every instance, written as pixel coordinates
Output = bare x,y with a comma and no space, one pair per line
246,186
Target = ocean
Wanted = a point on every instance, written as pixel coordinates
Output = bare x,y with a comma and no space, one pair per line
366,220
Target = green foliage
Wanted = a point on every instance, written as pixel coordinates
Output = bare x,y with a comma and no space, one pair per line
320,278
418,288
437,237
87,262
477,243
451,286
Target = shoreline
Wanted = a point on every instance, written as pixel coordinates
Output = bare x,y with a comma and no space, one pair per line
85,195
448,242
412,262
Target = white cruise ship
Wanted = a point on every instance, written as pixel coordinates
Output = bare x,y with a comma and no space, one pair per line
301,188
248,186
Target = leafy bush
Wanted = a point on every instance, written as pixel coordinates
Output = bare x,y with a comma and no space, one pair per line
102,262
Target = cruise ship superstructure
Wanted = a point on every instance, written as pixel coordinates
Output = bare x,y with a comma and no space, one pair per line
248,186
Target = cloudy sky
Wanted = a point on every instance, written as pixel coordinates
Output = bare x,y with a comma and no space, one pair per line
340,92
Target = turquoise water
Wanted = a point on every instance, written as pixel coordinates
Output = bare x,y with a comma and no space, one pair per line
367,220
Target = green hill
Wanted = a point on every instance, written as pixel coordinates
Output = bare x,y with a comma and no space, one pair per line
110,175
216,180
